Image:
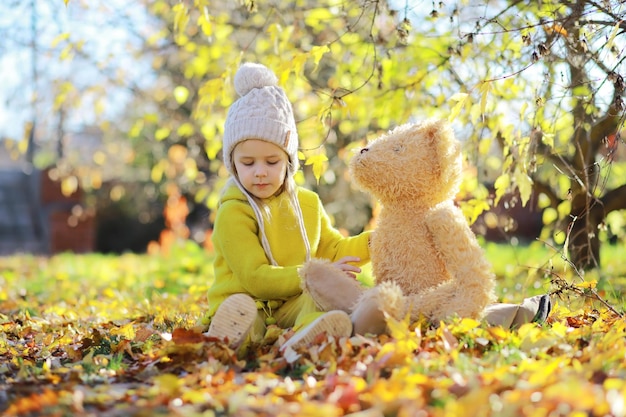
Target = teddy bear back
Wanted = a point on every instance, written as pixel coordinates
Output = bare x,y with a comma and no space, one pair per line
417,165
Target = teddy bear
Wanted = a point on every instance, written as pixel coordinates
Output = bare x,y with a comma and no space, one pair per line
425,259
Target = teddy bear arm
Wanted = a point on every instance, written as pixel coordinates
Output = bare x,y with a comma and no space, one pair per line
471,283
458,248
330,288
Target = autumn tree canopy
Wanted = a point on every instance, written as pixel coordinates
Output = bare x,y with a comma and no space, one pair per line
534,92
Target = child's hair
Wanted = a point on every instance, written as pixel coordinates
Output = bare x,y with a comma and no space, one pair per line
263,112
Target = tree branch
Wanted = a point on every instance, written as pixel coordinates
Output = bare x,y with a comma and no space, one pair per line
614,199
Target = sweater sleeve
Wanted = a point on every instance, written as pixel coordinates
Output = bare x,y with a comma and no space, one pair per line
334,246
242,265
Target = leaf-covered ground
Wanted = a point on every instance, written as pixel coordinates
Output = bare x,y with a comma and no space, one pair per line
97,335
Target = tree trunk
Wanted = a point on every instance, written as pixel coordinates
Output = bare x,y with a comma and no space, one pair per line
583,240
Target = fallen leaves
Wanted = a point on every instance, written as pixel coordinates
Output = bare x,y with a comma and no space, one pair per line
93,335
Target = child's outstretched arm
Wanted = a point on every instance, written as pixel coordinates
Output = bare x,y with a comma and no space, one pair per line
335,246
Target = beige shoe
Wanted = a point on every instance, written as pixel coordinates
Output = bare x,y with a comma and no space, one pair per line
233,319
335,323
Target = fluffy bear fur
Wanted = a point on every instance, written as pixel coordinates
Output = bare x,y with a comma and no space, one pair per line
425,258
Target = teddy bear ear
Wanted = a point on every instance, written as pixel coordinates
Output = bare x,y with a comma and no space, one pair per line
431,130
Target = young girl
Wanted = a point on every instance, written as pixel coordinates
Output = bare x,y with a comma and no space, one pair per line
266,227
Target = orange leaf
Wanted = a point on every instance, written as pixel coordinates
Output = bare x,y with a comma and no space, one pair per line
142,334
556,28
183,336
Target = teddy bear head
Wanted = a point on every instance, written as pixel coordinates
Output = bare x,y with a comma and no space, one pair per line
415,163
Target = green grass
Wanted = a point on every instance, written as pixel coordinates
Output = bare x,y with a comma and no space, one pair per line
525,270
521,271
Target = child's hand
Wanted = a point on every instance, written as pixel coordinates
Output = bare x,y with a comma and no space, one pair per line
344,265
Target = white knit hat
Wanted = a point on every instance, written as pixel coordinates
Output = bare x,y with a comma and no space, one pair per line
263,111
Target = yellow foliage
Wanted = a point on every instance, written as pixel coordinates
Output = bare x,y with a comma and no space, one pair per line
473,208
502,186
126,331
181,93
459,100
524,185
318,163
69,185
485,87
587,284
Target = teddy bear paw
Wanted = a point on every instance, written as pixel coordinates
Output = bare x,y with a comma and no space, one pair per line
330,287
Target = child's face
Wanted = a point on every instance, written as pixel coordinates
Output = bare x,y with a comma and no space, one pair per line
261,167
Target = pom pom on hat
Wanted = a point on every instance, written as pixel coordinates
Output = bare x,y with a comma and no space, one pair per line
251,75
263,111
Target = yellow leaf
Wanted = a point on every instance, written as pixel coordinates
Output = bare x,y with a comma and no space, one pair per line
498,333
460,99
541,375
181,94
135,131
127,331
211,90
524,185
168,384
484,146
297,64
473,208
161,133
67,53
109,293
317,52
156,174
559,329
273,31
484,90
318,162
587,284
185,130
59,38
315,16
549,216
523,110
181,17
609,42
614,384
465,325
405,342
212,148
502,185
191,169
398,329
66,2
69,185
205,23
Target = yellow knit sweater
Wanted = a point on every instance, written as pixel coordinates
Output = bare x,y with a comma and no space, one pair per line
241,265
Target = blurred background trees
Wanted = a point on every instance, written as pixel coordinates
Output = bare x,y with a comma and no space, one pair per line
128,100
